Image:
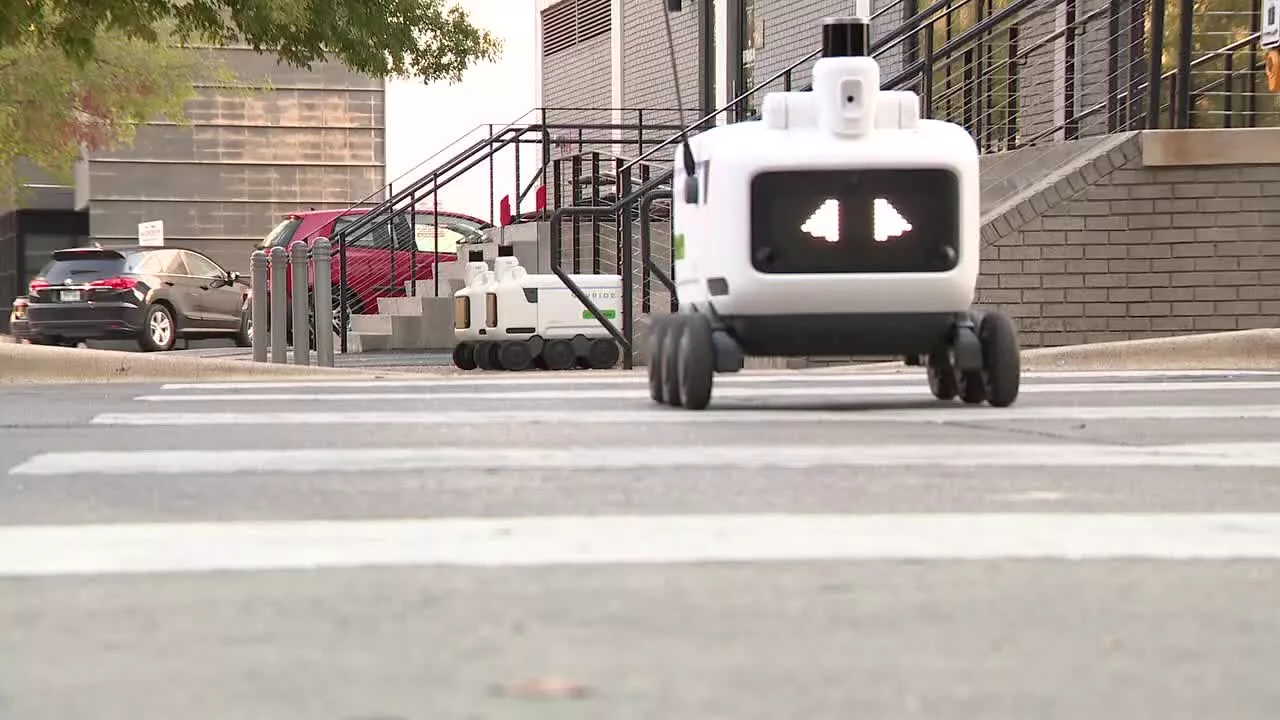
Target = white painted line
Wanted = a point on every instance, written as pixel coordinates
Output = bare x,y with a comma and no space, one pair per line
657,416
721,457
612,540
831,391
745,377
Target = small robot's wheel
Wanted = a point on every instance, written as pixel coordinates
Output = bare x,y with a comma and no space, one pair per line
671,358
657,338
942,375
559,355
602,354
514,355
696,360
487,356
970,387
1001,359
464,356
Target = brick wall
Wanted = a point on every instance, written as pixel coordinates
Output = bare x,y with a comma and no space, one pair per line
1114,250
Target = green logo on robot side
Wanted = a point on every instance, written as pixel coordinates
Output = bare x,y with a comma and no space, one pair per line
608,314
677,246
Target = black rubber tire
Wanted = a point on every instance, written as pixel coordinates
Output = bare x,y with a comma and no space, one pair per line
696,362
559,355
942,375
1001,359
657,337
243,337
514,355
464,356
671,360
486,356
603,353
970,388
145,342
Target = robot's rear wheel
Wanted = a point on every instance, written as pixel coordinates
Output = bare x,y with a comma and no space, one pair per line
515,355
602,354
696,360
464,356
559,355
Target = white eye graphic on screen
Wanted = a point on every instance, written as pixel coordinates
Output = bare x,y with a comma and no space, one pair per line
888,223
824,223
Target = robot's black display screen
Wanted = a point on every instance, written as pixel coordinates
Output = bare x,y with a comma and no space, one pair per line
850,221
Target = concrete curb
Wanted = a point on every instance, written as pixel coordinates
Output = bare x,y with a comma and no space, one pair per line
23,364
1235,350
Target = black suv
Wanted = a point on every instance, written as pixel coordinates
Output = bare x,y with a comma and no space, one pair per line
154,295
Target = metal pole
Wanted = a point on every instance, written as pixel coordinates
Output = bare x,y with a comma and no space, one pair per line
259,309
279,305
322,259
1186,14
298,262
1155,65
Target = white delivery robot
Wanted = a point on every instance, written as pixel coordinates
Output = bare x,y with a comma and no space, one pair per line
534,321
840,223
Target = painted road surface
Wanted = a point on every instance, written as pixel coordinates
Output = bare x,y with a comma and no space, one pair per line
554,545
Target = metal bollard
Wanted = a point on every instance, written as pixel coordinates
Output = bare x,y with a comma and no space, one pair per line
322,261
279,306
259,308
299,260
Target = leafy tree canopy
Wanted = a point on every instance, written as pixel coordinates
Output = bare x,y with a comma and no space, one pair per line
382,38
52,107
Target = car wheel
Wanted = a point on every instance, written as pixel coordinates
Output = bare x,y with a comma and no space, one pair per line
159,332
244,337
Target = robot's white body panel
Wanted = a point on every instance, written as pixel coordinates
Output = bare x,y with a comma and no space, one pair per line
468,303
508,303
542,305
809,131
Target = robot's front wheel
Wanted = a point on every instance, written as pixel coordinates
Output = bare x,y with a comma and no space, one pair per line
696,361
1001,359
486,356
657,339
670,358
464,356
942,375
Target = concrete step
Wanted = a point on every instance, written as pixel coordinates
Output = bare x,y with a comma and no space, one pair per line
359,342
405,306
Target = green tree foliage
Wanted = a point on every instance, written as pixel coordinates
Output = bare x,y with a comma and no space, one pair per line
53,107
425,39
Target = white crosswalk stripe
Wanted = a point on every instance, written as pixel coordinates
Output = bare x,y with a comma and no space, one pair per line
289,412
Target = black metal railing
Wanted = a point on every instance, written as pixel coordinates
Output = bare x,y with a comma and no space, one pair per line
390,226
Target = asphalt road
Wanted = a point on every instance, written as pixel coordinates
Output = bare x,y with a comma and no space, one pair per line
552,545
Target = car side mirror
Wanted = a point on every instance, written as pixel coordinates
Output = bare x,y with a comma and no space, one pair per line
233,277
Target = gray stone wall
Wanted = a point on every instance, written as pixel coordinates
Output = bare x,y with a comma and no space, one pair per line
578,81
301,139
